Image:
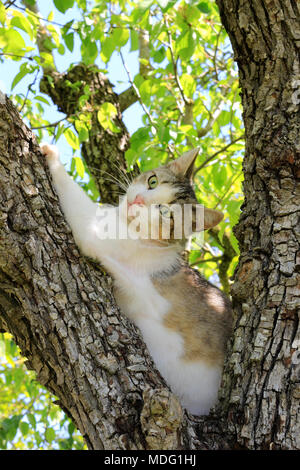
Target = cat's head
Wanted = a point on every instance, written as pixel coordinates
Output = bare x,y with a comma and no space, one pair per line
162,206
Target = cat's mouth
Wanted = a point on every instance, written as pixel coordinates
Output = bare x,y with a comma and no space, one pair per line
131,206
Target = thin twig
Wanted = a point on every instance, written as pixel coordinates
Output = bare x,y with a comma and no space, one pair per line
9,4
228,188
136,90
41,18
212,118
213,259
16,55
215,54
54,124
174,62
217,153
29,89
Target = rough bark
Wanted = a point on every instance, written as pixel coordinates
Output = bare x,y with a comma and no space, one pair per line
262,391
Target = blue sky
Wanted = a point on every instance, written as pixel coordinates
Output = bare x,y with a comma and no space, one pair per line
116,74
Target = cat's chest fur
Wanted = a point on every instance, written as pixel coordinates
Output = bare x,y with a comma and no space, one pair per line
139,299
141,302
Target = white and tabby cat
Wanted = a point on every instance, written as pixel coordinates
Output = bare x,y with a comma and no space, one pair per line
185,321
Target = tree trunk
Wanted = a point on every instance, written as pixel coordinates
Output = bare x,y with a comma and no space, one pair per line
262,391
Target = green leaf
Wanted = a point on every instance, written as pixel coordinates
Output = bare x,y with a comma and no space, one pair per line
11,426
120,37
89,51
2,13
47,60
69,40
83,132
31,420
186,46
224,118
60,131
49,435
42,99
61,49
107,48
139,138
12,41
107,112
159,55
63,5
233,208
81,4
24,70
71,428
204,7
22,22
146,91
24,427
79,166
134,40
131,157
188,85
219,176
72,139
234,243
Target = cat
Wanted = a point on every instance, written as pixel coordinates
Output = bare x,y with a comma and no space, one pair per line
185,320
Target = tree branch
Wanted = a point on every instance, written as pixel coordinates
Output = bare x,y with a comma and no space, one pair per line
127,98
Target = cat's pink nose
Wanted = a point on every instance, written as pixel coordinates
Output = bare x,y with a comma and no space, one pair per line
139,200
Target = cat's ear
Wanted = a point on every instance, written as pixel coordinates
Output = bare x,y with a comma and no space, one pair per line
183,166
204,218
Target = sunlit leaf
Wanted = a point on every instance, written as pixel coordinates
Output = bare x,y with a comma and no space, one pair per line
22,22
72,139
106,114
2,13
79,166
63,5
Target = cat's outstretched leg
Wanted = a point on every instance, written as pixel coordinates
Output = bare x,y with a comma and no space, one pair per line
51,153
80,211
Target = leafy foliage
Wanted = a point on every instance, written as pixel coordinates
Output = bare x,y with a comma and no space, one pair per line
28,417
188,91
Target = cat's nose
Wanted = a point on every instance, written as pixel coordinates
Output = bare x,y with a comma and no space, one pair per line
139,200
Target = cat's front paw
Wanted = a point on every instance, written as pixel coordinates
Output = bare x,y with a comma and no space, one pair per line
51,153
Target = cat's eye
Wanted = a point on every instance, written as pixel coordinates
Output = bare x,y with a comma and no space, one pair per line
165,211
152,182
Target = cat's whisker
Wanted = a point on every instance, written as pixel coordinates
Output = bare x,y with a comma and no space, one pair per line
123,184
123,174
114,180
